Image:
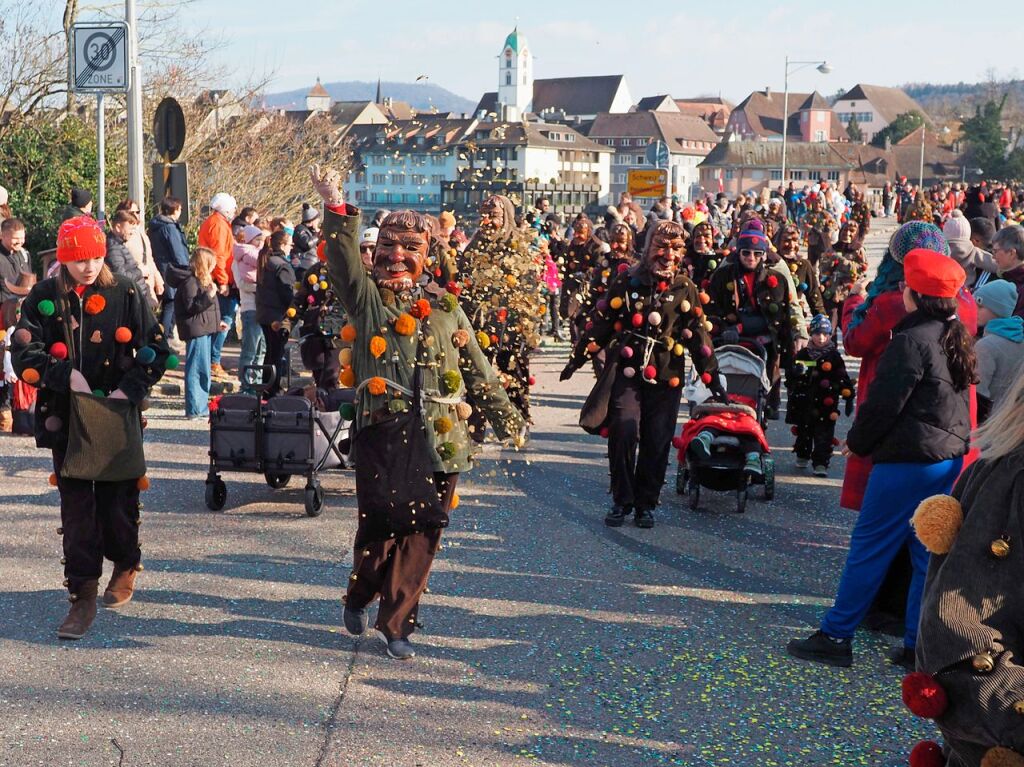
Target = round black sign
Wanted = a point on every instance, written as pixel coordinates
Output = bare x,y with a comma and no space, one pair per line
169,129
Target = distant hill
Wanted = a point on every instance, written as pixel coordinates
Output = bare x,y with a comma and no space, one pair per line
423,96
950,101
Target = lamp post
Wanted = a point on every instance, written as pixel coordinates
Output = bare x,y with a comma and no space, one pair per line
824,68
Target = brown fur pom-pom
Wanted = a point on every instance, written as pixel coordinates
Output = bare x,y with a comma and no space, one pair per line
937,522
1002,757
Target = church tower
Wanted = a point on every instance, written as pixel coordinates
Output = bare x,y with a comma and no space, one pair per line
515,78
318,99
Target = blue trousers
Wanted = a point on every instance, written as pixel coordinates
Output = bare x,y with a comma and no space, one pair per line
883,527
167,315
197,375
253,345
228,306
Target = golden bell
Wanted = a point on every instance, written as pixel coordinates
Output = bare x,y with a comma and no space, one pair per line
983,663
1018,707
1000,548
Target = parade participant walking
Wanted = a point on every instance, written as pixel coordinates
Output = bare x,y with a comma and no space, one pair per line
198,316
701,259
819,228
87,332
215,233
650,315
817,382
501,296
841,267
582,254
804,273
169,249
971,640
552,288
275,286
321,318
915,424
408,333
1001,350
245,260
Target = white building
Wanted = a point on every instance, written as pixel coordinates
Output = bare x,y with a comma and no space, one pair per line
874,106
515,78
318,99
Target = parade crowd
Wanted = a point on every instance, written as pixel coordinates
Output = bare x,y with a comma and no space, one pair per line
432,327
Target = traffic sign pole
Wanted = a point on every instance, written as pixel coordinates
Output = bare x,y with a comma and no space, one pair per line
101,156
135,178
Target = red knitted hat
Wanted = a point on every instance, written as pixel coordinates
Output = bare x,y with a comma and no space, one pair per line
80,239
932,274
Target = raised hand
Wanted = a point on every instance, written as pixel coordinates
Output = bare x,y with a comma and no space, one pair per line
327,183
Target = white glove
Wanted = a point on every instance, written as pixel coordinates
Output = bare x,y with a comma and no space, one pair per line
328,185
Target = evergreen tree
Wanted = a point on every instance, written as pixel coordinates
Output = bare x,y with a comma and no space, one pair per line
900,128
984,137
853,130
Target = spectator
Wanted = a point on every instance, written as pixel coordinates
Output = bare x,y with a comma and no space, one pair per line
16,277
169,249
122,228
977,264
215,234
275,284
80,205
244,266
142,251
1008,251
5,204
367,245
197,314
1001,349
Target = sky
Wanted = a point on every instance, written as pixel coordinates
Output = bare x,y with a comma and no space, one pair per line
686,48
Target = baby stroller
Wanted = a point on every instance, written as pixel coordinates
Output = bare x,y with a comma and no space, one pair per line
739,425
279,437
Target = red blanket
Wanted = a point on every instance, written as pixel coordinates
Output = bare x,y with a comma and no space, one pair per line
740,424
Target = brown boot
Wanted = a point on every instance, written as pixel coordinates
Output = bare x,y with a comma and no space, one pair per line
121,587
82,612
6,421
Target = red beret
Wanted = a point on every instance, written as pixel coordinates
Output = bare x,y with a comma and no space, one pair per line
932,274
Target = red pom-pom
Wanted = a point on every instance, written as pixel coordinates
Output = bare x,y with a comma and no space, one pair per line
923,695
142,484
773,281
502,315
662,287
59,351
677,442
532,380
494,339
420,309
621,268
835,442
95,304
650,372
453,288
603,432
617,326
927,753
793,430
828,402
706,378
123,335
637,320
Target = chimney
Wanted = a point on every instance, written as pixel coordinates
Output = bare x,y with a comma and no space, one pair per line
888,143
768,92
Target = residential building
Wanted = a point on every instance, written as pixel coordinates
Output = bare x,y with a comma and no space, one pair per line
759,117
715,111
874,106
688,140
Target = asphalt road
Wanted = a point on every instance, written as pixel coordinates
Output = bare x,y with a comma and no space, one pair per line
548,638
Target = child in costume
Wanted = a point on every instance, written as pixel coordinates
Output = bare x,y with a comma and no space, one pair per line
819,379
86,330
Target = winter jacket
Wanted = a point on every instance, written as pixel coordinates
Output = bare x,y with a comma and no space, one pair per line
912,413
121,262
244,264
274,290
1016,276
1000,353
973,259
12,266
808,289
971,610
196,312
169,247
142,251
215,234
106,363
765,310
818,381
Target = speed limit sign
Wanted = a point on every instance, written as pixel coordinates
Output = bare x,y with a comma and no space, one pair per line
99,57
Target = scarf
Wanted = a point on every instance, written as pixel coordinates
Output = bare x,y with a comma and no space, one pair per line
1010,328
888,278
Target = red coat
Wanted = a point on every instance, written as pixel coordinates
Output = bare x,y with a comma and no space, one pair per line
868,340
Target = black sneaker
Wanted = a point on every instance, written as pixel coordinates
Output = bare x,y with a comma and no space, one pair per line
821,648
644,518
617,515
398,649
355,620
905,657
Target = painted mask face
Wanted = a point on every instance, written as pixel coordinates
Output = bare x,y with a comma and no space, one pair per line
620,243
790,242
702,240
492,217
665,252
846,236
398,258
580,232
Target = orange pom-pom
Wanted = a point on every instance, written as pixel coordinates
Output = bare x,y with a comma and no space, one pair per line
1000,756
593,347
95,304
704,297
826,366
378,346
455,502
348,333
347,378
30,376
377,386
937,522
420,309
52,480
405,325
142,484
123,335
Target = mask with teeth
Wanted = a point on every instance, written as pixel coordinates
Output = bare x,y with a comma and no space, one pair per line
665,248
402,247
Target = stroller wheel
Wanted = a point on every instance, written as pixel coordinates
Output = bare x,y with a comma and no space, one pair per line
768,467
216,494
682,478
277,481
741,500
314,499
694,494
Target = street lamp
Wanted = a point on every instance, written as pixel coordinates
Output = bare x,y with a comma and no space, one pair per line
824,68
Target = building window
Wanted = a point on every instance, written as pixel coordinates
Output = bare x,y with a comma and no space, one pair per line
437,160
508,78
640,159
833,175
730,174
777,175
380,178
436,178
397,160
819,135
798,175
398,178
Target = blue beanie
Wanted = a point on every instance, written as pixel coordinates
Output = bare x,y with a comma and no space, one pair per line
998,296
917,234
752,237
821,324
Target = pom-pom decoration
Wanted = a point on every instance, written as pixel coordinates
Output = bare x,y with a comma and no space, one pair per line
290,312
448,302
420,309
53,424
927,753
452,381
59,350
377,386
347,411
482,339
345,356
673,382
463,410
705,378
615,303
654,318
1000,756
378,346
172,362
123,335
446,450
684,306
21,337
603,432
826,366
637,320
629,372
347,377
94,304
460,338
937,522
772,281
678,350
593,347
442,425
405,325
455,502
146,355
46,307
627,352
453,288
348,333
924,696
30,376
650,372
52,480
142,483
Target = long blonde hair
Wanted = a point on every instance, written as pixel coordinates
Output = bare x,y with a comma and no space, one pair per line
202,262
1003,432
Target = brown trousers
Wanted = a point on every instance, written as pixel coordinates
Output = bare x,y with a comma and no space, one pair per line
396,569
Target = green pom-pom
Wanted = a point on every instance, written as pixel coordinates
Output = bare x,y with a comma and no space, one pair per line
146,355
347,411
99,393
446,450
773,308
449,302
398,405
46,307
452,381
172,361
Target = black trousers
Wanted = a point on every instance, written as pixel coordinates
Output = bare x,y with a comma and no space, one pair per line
98,519
322,360
396,569
276,340
814,440
641,422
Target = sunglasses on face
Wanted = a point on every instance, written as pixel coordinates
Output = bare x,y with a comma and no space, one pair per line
747,252
366,248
